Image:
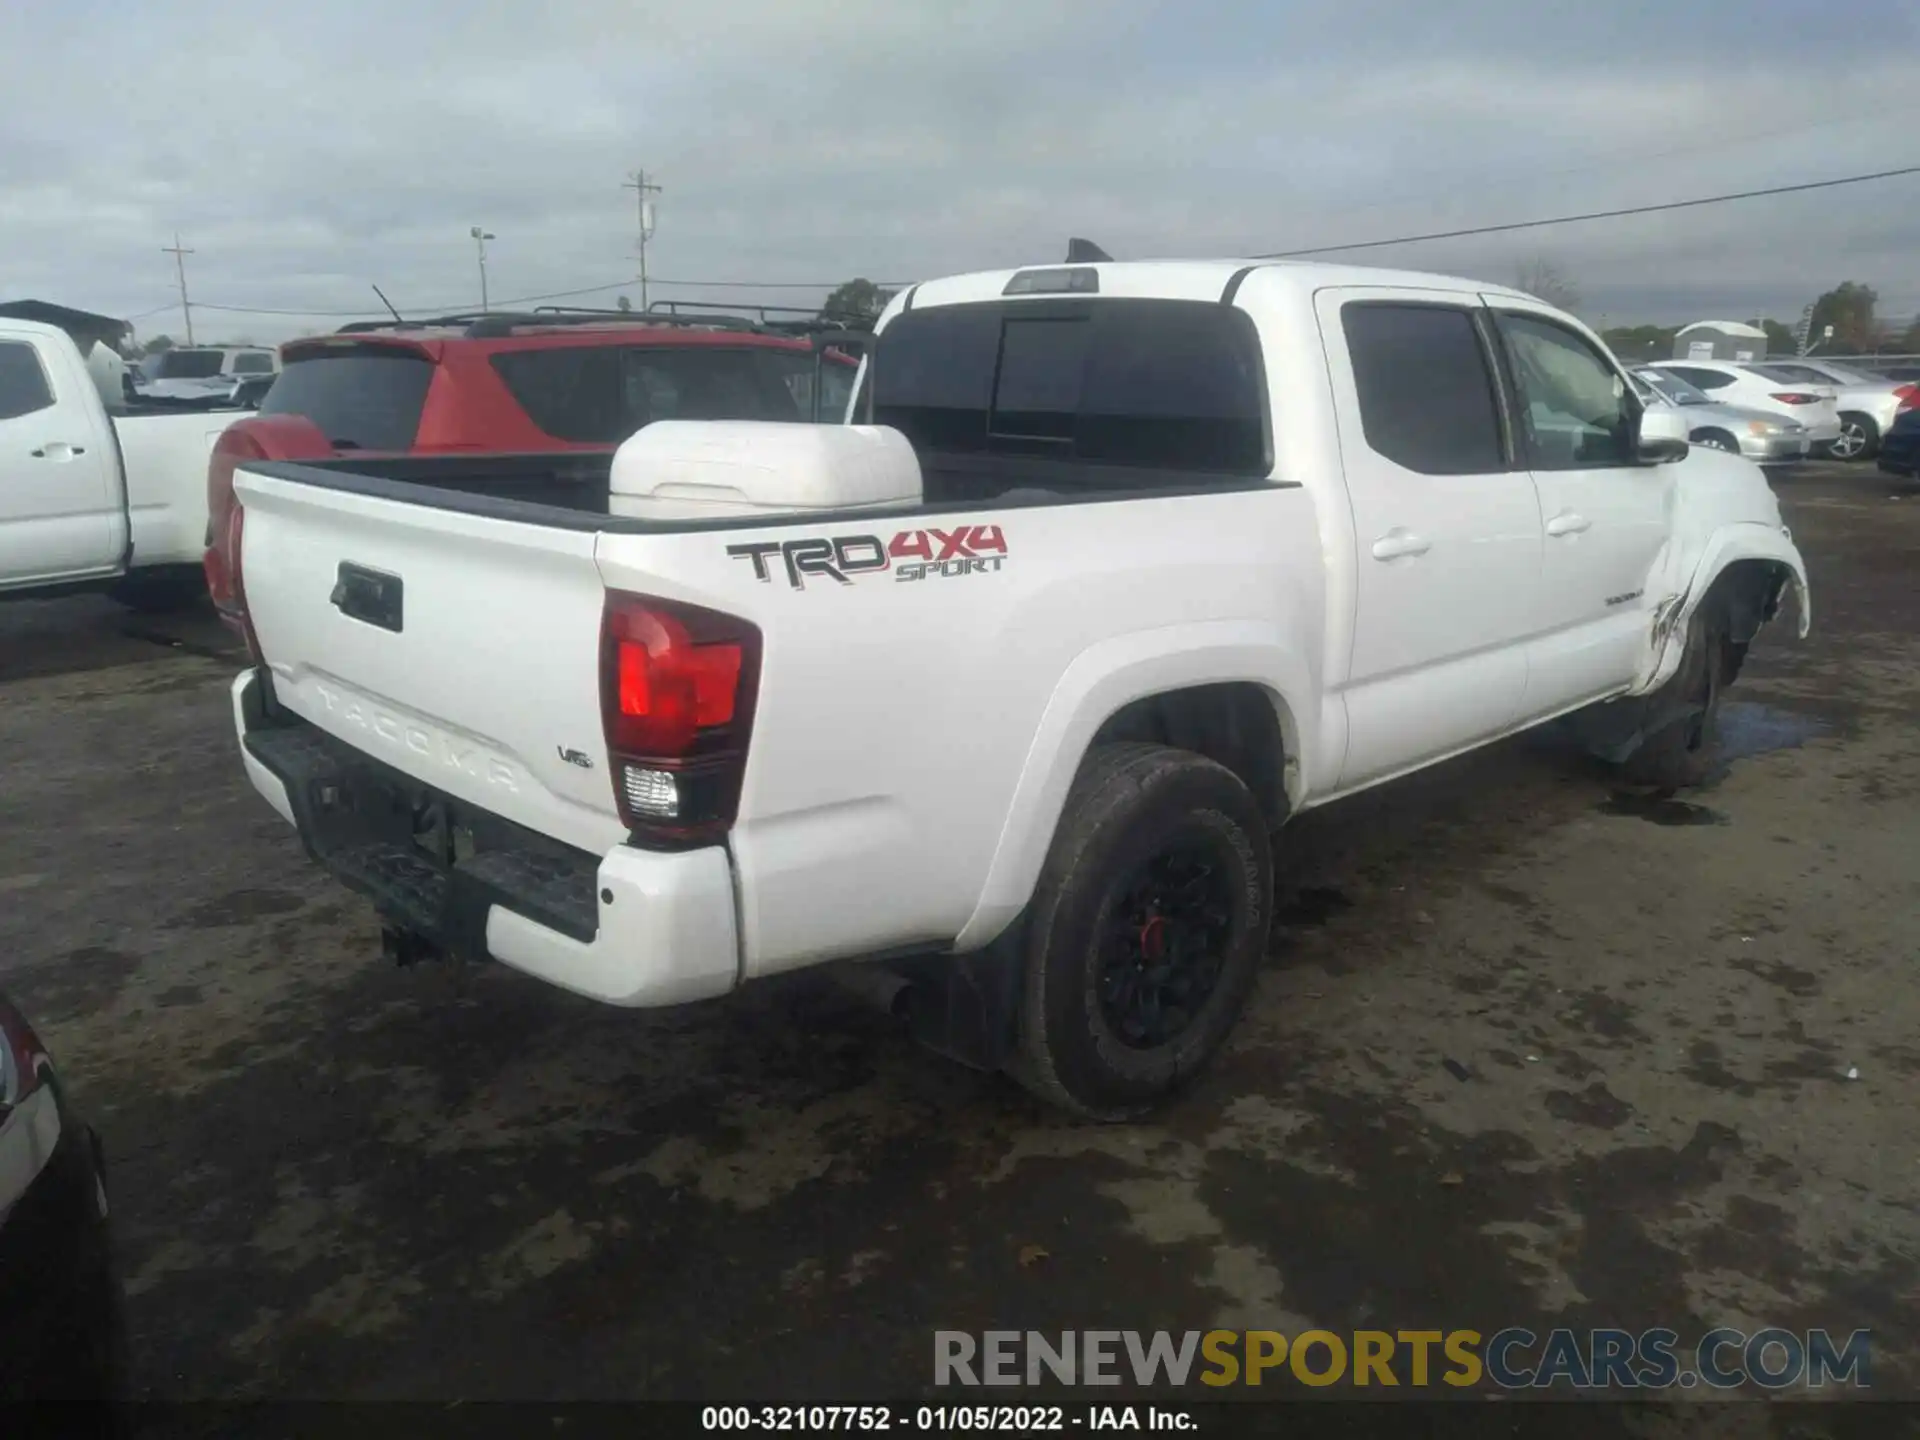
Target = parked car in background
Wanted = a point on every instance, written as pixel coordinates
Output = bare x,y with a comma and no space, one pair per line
1867,403
186,372
1900,446
62,1324
509,383
672,732
1812,405
1900,371
97,495
505,383
1757,434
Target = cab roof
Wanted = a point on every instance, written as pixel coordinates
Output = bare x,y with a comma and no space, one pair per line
1179,280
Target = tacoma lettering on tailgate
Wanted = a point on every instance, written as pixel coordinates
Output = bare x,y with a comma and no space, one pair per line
394,732
922,555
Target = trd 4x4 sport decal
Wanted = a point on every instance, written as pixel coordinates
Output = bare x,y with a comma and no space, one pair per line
920,555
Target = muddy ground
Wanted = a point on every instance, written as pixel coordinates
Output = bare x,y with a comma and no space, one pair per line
1527,1051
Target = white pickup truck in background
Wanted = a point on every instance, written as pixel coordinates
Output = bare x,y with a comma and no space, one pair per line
185,373
93,492
1001,687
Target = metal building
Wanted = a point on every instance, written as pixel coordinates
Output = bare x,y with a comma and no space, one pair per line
1720,340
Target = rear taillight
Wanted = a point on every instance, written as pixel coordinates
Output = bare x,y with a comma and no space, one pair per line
22,1059
677,690
266,437
1796,397
1908,395
226,519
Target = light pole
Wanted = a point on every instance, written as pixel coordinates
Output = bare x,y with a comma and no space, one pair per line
480,238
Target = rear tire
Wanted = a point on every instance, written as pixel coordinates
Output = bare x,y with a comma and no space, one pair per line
1859,438
1145,931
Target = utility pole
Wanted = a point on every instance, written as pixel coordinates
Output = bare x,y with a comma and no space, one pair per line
180,253
481,235
642,188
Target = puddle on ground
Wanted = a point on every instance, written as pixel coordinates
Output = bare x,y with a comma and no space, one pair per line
1748,729
1660,808
1313,905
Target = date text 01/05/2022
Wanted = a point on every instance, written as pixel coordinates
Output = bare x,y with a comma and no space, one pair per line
935,1419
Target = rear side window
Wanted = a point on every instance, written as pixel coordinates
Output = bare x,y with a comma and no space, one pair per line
1700,378
187,365
23,383
836,388
599,395
252,362
365,399
1426,393
1155,384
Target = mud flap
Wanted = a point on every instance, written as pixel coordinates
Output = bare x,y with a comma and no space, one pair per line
965,1006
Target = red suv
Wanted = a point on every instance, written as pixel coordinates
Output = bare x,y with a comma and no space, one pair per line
573,380
520,383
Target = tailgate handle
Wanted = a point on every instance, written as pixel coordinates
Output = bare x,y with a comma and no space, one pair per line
370,596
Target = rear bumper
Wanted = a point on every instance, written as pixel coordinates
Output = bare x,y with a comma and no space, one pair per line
631,927
1775,449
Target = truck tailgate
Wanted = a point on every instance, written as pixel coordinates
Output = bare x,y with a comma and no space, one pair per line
462,650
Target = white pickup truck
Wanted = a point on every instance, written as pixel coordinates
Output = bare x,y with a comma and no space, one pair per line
1001,687
97,494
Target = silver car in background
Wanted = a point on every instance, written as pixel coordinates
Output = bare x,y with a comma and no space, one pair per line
1867,403
1741,384
1757,434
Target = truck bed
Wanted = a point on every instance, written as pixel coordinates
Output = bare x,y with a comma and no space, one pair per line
570,489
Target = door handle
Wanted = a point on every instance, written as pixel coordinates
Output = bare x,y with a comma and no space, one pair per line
1396,543
1567,523
59,450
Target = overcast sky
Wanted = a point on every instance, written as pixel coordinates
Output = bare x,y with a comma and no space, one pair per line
305,152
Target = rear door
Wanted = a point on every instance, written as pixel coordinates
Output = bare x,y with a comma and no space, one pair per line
62,510
1447,523
1605,516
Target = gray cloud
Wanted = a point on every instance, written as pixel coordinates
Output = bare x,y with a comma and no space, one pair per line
307,152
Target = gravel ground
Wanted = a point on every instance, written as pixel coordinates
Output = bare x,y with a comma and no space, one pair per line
1528,1051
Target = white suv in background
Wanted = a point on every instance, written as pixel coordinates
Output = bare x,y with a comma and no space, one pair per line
1750,388
1867,403
183,373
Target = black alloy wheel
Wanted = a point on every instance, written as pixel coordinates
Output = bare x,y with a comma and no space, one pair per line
1167,934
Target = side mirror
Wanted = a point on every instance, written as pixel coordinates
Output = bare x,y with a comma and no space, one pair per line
1662,436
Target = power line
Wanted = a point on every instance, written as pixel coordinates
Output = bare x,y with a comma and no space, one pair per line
1609,160
1594,215
829,285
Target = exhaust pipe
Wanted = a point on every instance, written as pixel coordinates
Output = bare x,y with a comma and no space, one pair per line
873,984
